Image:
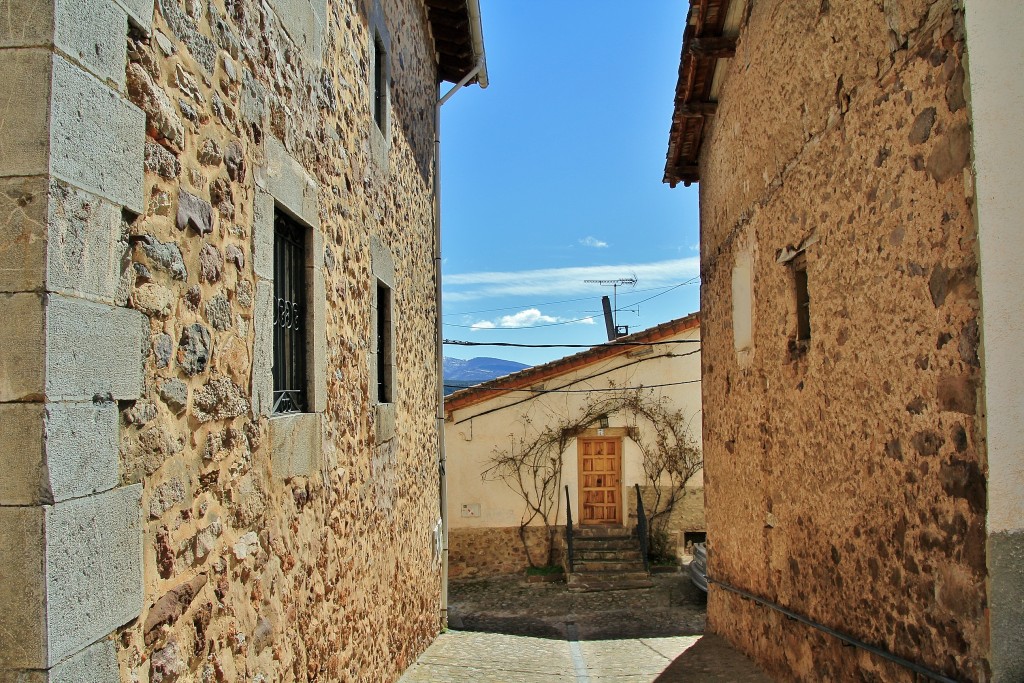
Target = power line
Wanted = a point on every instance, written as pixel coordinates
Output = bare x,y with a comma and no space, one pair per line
523,327
576,391
681,284
665,290
459,342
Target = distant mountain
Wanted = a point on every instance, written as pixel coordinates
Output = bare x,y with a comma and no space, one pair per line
465,373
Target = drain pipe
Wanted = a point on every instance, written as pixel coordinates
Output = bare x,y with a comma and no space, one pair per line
442,460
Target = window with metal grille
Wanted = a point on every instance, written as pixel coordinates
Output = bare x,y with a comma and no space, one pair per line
384,357
380,82
290,381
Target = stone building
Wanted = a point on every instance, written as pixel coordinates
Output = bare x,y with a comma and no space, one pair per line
219,380
485,512
859,167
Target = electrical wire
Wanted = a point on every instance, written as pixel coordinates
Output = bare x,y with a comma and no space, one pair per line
459,342
576,391
524,327
569,301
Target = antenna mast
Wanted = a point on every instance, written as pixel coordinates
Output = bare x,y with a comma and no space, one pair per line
615,284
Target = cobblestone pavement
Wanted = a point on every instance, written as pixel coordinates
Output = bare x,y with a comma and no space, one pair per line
505,630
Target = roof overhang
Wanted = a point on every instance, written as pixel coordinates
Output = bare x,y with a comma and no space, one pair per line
529,377
458,39
709,42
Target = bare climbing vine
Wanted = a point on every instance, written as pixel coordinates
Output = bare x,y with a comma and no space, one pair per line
532,465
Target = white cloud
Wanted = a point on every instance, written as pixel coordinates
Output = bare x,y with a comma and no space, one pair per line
591,241
558,282
527,318
531,317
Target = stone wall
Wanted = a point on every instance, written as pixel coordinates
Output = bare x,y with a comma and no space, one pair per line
272,548
488,551
845,477
687,515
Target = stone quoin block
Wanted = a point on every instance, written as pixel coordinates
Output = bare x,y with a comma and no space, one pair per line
140,12
97,137
56,452
92,32
25,82
83,251
92,349
304,22
22,348
74,574
22,234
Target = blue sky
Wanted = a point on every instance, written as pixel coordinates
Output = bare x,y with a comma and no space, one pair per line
552,176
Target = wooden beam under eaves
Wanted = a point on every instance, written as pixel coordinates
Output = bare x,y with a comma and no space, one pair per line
696,108
714,47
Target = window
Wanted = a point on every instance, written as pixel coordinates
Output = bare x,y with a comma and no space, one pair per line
380,82
290,380
385,392
803,301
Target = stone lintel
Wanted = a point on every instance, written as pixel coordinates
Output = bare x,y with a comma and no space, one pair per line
289,184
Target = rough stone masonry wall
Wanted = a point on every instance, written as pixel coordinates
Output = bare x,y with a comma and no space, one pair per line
489,551
846,482
256,567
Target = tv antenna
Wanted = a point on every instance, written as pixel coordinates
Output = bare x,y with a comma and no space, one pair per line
611,313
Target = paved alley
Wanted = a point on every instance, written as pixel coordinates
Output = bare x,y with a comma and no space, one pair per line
505,630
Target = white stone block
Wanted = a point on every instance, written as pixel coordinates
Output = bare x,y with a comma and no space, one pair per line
96,137
263,350
22,348
93,32
92,349
93,568
140,12
25,92
290,185
295,445
83,248
263,235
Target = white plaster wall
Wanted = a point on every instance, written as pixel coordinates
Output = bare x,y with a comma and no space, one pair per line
470,441
996,62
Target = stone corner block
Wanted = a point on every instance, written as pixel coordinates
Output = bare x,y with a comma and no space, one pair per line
290,185
296,445
95,664
22,347
23,203
96,137
93,350
56,452
140,12
83,247
93,568
25,80
93,32
22,590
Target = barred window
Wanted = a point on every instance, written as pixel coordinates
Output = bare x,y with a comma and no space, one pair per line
384,345
290,309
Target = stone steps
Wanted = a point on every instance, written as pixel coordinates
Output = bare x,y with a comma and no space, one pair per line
605,559
589,582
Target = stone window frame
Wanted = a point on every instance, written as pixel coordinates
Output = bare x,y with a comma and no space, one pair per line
380,133
382,268
282,184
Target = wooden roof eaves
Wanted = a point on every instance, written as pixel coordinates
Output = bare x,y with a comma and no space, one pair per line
703,45
527,377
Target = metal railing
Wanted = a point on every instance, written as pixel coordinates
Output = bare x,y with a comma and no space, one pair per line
641,526
568,529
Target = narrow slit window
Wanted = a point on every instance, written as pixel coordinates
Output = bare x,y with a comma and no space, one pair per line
803,300
380,82
384,345
290,310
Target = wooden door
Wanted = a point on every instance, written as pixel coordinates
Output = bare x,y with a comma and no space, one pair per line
600,461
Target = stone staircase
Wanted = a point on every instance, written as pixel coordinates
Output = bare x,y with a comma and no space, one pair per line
606,558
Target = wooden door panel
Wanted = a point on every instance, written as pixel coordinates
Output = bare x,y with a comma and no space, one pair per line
600,464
